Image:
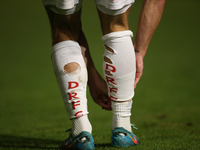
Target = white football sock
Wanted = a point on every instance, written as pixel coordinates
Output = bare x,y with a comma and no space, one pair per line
119,65
119,71
72,85
81,124
121,115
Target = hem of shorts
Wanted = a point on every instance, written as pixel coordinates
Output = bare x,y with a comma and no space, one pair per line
113,6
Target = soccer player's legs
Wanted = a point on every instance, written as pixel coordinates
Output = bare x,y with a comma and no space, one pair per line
71,74
119,69
70,68
119,72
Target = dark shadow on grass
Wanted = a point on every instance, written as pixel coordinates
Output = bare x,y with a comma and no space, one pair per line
103,145
9,141
20,142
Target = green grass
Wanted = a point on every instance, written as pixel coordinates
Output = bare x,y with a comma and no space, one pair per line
166,106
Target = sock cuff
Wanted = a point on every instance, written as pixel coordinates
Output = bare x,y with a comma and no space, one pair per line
63,44
118,34
68,51
122,109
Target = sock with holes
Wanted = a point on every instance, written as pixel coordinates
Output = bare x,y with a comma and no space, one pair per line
73,84
119,65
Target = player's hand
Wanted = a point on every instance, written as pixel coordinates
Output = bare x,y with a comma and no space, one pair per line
139,67
99,91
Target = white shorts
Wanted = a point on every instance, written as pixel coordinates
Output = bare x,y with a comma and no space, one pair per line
113,7
63,7
66,7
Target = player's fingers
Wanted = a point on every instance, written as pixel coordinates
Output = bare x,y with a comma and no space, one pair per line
137,78
136,82
108,109
106,103
106,106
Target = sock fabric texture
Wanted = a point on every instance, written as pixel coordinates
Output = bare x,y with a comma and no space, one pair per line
72,85
121,115
81,124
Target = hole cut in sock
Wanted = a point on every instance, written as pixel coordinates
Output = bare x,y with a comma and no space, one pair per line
72,68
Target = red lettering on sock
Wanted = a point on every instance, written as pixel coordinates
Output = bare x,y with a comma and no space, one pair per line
113,98
110,68
74,104
73,96
111,80
73,84
77,114
113,89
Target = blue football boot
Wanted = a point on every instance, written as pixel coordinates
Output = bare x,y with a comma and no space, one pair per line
83,141
123,138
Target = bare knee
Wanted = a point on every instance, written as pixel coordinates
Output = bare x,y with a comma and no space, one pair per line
66,27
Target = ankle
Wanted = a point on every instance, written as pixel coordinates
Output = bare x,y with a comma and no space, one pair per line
81,124
121,115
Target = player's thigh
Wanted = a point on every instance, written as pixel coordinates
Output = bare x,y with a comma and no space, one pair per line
114,15
64,16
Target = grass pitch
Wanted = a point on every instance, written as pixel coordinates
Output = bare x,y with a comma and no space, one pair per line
166,106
